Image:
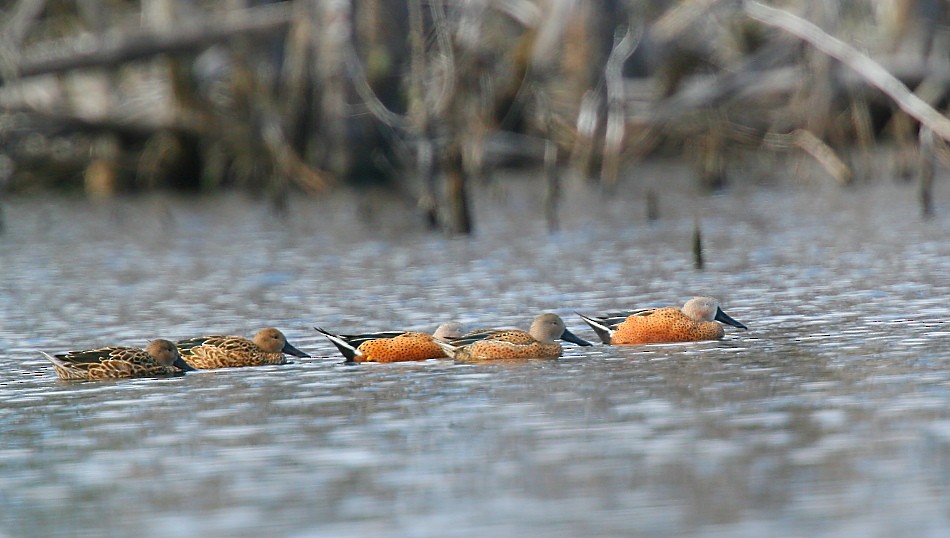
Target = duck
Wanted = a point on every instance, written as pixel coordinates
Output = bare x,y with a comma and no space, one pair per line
393,346
538,342
160,358
701,318
267,347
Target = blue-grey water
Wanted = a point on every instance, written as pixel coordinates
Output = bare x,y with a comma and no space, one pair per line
830,416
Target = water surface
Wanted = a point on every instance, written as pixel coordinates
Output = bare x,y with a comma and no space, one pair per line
830,416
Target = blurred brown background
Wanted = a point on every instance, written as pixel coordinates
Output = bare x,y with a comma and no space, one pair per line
427,97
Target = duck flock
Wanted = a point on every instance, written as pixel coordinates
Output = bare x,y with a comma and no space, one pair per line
699,319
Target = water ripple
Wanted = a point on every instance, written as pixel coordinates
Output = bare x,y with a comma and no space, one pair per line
829,416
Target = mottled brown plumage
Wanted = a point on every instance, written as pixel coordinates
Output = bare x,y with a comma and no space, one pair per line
393,346
208,352
696,321
499,344
160,358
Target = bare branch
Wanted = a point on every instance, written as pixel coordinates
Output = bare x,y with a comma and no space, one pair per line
117,49
867,68
286,160
445,46
418,113
613,74
18,25
528,14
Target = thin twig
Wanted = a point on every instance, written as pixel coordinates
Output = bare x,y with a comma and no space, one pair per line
925,170
823,153
366,93
814,146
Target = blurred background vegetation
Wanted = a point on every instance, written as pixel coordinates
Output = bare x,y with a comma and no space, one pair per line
428,97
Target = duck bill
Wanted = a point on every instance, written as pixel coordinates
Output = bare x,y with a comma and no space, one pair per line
183,366
291,350
568,336
724,318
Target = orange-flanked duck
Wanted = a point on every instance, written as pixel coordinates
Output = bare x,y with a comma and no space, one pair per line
539,342
696,321
208,352
160,358
393,346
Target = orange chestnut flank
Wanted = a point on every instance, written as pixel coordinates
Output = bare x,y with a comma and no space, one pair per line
696,321
160,358
393,346
210,352
500,344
